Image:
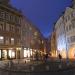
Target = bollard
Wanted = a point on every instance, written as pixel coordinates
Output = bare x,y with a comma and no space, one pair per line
60,66
32,68
47,68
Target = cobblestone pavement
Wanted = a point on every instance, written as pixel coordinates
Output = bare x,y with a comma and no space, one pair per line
37,68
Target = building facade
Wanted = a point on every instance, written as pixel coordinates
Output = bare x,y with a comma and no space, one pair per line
65,33
53,49
60,37
69,19
32,39
10,31
19,38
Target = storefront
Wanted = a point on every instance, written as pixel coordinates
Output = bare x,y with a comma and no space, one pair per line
71,52
7,54
27,53
12,54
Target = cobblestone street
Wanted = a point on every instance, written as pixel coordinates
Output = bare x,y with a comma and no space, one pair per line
38,68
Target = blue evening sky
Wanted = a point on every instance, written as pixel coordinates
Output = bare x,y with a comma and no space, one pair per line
42,13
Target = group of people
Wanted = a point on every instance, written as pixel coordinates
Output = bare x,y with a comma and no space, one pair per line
45,57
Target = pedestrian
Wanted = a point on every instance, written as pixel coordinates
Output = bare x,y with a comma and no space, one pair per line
60,57
36,56
45,57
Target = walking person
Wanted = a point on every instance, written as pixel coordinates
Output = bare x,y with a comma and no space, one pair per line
60,57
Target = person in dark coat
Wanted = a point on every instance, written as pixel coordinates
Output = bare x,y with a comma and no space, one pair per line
60,57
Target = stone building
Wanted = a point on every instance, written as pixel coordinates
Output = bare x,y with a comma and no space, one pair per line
32,39
18,36
53,49
69,20
65,33
10,31
60,37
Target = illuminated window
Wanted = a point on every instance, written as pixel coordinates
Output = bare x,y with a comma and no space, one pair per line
4,54
11,54
25,53
12,41
42,41
1,39
28,52
35,33
0,53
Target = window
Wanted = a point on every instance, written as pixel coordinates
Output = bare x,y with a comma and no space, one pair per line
2,14
68,40
39,41
1,39
12,41
74,14
68,17
10,17
11,53
69,27
12,28
18,41
1,25
35,33
7,27
73,23
72,39
42,41
7,16
4,54
19,20
18,29
30,28
65,19
7,40
32,42
0,54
